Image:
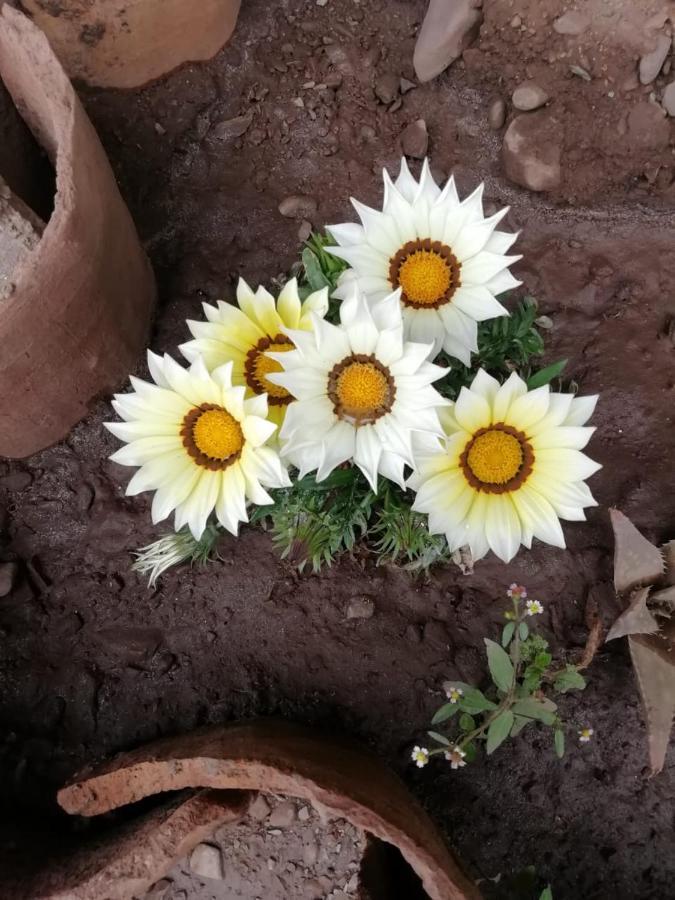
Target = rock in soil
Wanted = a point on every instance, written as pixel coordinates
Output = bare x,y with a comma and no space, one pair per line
528,96
297,206
497,114
229,129
668,99
260,808
652,62
20,233
648,127
360,608
386,87
415,140
8,573
572,22
447,30
206,861
282,816
531,152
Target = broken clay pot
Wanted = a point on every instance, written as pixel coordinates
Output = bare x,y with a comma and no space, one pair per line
79,312
126,43
279,758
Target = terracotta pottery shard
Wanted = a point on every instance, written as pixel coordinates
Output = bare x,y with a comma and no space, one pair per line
80,310
654,663
280,758
126,43
127,861
636,561
636,618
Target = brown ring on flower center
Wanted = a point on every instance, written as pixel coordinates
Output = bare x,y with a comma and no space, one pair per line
361,389
235,438
257,366
524,469
428,267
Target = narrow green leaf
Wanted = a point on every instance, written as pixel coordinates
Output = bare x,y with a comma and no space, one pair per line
523,631
559,738
569,680
313,270
439,737
447,711
499,730
466,722
543,376
546,894
519,723
541,710
507,633
474,701
500,665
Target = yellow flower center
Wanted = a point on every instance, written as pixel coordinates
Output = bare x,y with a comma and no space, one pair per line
427,272
497,459
212,436
361,389
258,366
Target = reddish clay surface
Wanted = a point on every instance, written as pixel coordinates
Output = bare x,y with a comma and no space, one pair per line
94,663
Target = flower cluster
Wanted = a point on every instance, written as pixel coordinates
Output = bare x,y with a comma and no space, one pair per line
274,388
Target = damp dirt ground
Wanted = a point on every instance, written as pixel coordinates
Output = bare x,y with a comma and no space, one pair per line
93,662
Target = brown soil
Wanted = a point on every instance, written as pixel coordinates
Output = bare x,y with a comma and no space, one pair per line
93,662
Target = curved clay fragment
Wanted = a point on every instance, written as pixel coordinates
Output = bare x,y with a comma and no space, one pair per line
126,43
79,313
280,758
128,860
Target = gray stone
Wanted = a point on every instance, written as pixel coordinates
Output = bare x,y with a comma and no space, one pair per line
651,63
259,809
304,814
448,29
415,139
528,96
360,608
386,87
297,206
531,152
20,233
648,127
207,862
668,99
282,816
8,573
497,114
229,129
405,85
305,230
571,22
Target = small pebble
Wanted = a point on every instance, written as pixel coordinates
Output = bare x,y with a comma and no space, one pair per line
528,96
282,816
360,608
497,114
304,231
651,63
304,814
207,862
516,22
668,99
298,206
405,85
386,87
259,809
415,140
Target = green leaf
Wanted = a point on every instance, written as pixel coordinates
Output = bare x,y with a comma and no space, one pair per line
439,737
500,665
569,680
523,631
543,376
519,723
507,633
546,894
313,270
559,739
471,752
542,710
474,701
466,722
447,711
499,730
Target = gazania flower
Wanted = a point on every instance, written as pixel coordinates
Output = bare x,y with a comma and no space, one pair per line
363,393
199,444
511,466
448,259
420,756
244,334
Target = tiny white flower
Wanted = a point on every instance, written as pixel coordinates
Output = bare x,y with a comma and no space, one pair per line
455,756
516,592
420,756
533,608
453,694
585,735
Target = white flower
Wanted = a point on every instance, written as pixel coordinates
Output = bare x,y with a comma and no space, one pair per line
510,467
363,393
453,694
243,335
420,756
516,592
585,735
199,444
455,756
446,257
533,608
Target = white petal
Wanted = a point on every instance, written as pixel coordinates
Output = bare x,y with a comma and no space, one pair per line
367,453
288,304
347,234
538,516
502,527
529,409
337,447
582,409
471,411
570,465
477,301
257,430
513,387
405,183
